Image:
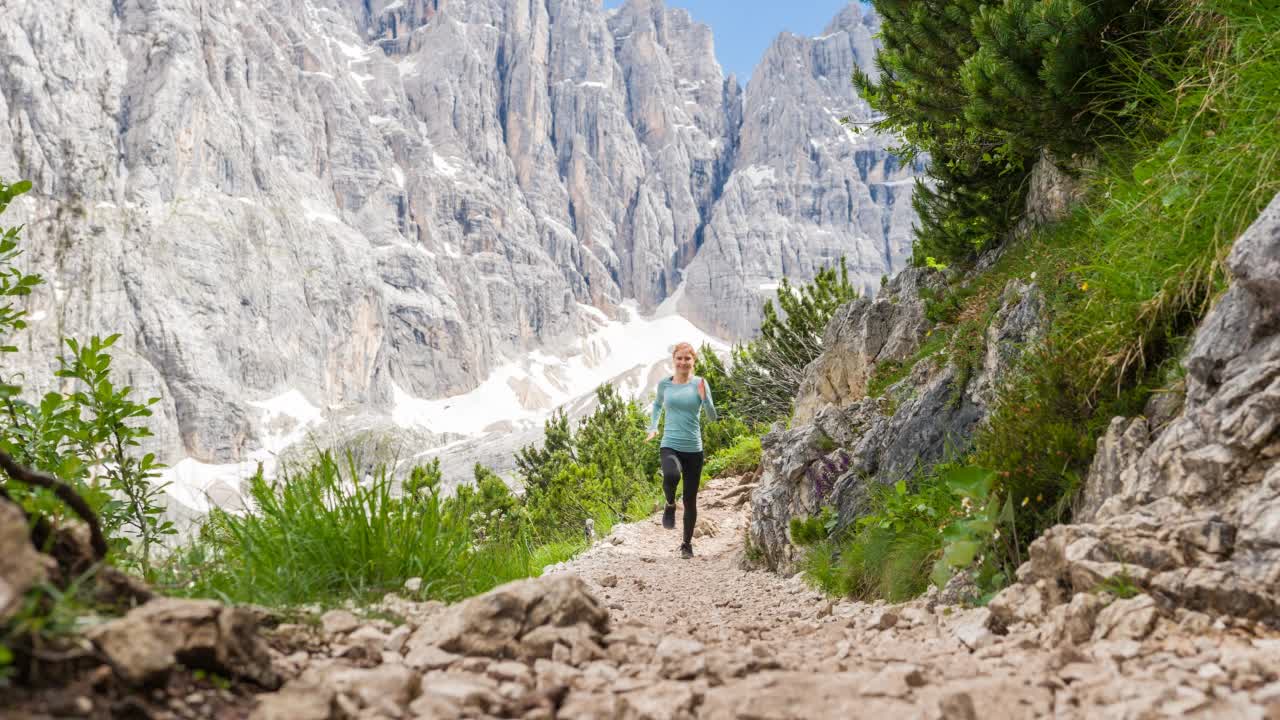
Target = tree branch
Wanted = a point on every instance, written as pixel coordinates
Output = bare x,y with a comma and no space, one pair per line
64,493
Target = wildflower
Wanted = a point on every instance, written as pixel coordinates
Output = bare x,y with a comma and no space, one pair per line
1033,275
1040,498
996,534
1026,500
1084,286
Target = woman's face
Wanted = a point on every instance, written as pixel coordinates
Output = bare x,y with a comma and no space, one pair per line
684,362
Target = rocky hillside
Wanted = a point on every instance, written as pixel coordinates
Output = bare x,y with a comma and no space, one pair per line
1179,506
360,201
842,441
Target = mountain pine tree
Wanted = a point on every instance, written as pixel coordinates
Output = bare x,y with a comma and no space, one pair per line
977,175
983,85
767,371
1039,75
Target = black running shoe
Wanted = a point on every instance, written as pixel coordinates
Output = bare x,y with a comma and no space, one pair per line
686,550
669,516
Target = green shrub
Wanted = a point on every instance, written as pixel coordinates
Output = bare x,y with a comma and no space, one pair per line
1125,279
321,533
604,470
86,437
814,529
493,512
1120,586
740,457
767,372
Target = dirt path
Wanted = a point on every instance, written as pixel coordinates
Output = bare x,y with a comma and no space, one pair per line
754,644
630,630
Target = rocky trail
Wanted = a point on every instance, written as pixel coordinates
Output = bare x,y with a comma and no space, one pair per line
630,630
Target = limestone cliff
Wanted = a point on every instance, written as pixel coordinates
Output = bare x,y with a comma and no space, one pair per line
360,200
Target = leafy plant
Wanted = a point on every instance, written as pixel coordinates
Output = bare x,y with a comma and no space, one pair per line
740,457
109,436
493,512
966,538
13,282
827,470
1120,586
814,529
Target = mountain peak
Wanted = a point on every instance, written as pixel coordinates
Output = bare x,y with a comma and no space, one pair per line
849,18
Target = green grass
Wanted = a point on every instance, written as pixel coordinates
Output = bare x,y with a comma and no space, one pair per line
1126,278
887,374
1130,274
740,457
319,535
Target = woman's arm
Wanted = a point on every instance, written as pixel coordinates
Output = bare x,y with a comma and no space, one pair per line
657,407
707,402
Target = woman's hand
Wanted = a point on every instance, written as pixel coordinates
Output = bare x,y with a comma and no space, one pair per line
652,435
702,388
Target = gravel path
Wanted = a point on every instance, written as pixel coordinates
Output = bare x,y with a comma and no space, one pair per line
630,630
750,643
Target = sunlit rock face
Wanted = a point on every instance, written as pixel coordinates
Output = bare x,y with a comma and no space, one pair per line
806,188
366,201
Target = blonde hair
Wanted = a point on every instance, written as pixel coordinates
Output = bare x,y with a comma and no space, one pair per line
684,346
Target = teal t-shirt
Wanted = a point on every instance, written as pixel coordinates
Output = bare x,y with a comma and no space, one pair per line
683,430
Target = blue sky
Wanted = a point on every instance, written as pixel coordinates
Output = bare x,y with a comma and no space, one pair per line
744,28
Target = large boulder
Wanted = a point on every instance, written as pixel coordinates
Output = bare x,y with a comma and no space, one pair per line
1189,509
783,491
21,566
861,334
524,619
146,644
847,443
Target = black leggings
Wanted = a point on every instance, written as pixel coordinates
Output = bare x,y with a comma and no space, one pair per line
674,464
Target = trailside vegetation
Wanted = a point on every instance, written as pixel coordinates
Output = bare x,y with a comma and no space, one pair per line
767,371
1176,106
983,86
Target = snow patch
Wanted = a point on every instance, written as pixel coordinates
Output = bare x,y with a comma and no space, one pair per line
408,67
289,414
614,348
759,174
353,52
203,486
314,215
442,165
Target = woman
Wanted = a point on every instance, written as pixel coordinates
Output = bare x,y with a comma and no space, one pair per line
683,396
